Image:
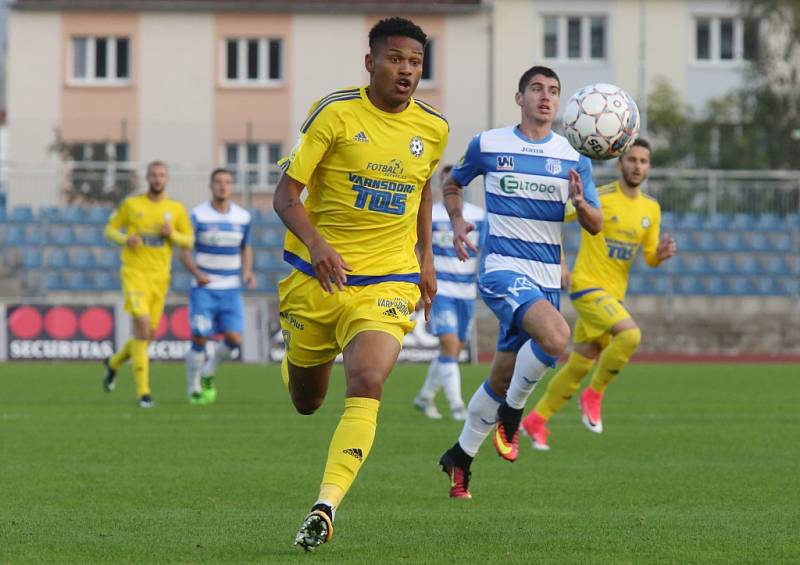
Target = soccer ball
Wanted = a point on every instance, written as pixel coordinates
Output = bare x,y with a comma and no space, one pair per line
601,121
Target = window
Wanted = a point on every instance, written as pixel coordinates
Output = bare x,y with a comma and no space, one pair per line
253,164
726,39
253,61
575,38
99,165
428,63
101,60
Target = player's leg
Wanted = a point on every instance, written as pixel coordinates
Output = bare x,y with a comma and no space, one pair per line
442,325
201,315
133,294
229,320
548,337
451,377
140,360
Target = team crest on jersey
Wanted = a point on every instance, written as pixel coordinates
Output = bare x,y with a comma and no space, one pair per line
553,166
646,222
416,146
505,162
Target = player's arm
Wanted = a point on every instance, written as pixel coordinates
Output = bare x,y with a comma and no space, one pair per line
247,266
583,195
427,276
462,174
180,234
657,250
564,272
114,228
329,266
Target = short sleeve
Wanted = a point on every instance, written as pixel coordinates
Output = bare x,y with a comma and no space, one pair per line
470,165
313,143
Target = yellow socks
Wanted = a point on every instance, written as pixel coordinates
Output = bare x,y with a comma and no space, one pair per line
614,357
285,371
120,356
141,366
563,385
349,448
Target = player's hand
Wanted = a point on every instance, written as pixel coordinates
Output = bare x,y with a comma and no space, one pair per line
329,266
666,247
202,278
564,274
166,230
576,189
427,284
134,241
461,242
249,279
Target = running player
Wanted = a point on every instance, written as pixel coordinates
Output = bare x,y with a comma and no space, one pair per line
366,156
146,227
223,259
451,315
605,333
529,173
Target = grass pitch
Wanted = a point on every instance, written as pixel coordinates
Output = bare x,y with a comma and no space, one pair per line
698,464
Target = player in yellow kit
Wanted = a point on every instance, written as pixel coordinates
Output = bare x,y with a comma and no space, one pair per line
365,156
146,226
605,334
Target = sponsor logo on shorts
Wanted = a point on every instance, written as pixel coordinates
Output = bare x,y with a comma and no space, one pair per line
297,324
398,303
391,312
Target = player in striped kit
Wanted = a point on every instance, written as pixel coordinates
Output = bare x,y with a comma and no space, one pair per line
530,173
451,313
223,259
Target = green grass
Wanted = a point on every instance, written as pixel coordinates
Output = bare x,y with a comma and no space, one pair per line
698,464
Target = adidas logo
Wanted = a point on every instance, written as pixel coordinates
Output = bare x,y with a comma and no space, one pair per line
355,452
391,312
361,137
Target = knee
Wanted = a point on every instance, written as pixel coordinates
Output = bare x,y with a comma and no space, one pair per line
556,341
629,339
365,383
306,406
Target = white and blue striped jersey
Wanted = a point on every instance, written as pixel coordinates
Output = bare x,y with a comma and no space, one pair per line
219,239
455,278
527,187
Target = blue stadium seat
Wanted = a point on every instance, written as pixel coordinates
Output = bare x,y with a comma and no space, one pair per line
104,280
668,220
73,215
706,241
269,238
697,265
690,285
265,261
742,222
266,283
748,264
271,218
791,222
776,265
49,214
759,242
732,241
723,264
61,235
782,242
685,242
766,286
82,259
89,235
690,221
21,215
181,281
57,259
716,286
98,215
35,235
31,257
718,222
572,239
256,217
678,264
741,285
76,280
14,235
788,286
108,259
53,281
768,222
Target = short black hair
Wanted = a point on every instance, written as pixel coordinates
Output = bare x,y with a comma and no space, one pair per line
219,171
536,70
640,142
392,27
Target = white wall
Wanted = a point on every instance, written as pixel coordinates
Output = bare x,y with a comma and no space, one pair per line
34,90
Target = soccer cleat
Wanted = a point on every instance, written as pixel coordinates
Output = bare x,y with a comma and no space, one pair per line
459,476
145,401
317,528
109,377
506,434
209,390
428,408
590,403
459,414
535,427
197,399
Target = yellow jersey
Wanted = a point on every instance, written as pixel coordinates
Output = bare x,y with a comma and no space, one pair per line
604,260
364,170
142,216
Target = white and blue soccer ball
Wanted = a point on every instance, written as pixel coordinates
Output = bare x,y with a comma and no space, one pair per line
601,121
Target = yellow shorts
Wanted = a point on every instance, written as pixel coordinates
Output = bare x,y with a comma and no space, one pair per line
144,294
598,312
317,325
